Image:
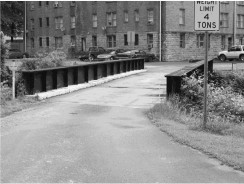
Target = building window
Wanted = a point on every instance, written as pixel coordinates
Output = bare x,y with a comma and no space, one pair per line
47,21
47,3
241,42
111,19
111,41
40,3
150,16
40,22
94,20
125,39
136,39
59,22
72,3
223,42
182,40
72,22
40,42
32,43
126,16
224,20
136,15
182,17
32,24
57,4
47,41
73,40
94,41
32,5
150,40
200,40
240,21
58,42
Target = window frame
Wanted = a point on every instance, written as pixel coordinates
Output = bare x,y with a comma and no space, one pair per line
58,22
94,20
224,17
182,40
137,16
240,21
150,16
40,42
111,43
47,22
40,22
111,19
126,40
94,40
126,16
58,42
73,22
182,15
136,39
47,42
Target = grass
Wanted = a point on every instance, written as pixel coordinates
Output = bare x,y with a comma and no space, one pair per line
9,106
228,147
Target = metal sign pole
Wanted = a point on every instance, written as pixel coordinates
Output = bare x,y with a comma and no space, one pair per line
205,81
13,84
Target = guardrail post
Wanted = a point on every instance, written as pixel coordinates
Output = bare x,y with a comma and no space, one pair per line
115,67
81,75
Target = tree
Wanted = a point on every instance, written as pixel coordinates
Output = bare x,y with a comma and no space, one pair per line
12,17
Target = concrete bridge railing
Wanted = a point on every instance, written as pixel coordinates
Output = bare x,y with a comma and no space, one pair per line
53,78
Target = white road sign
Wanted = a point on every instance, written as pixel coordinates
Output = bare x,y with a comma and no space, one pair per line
206,15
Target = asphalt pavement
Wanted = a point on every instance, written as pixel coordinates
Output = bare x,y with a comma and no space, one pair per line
101,134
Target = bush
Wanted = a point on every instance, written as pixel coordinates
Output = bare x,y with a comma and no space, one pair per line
44,60
5,73
225,96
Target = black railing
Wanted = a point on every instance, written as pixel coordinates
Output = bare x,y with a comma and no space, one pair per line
174,79
53,78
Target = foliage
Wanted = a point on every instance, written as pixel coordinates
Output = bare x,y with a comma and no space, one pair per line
225,96
44,60
12,17
5,73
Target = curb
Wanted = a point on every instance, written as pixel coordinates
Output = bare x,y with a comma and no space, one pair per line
72,88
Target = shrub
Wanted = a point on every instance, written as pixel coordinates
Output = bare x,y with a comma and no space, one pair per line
5,73
225,98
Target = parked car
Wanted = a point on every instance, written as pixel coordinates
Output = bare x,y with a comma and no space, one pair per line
16,54
111,55
92,53
149,57
235,52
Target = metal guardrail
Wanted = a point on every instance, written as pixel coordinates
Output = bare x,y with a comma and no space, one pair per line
174,79
53,78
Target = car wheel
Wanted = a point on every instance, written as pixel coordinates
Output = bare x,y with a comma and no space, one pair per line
112,58
222,57
91,57
242,57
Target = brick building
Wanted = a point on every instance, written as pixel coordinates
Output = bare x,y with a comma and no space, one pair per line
77,25
82,24
181,42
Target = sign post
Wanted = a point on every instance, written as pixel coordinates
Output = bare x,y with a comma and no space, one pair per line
13,67
206,18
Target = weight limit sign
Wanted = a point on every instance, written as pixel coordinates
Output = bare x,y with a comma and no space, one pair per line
206,15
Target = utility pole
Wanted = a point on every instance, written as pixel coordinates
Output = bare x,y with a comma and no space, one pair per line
234,24
25,29
160,31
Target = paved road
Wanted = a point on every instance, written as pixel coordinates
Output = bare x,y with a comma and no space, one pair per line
101,134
